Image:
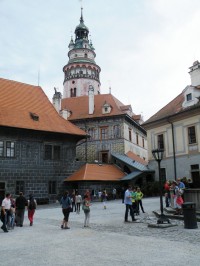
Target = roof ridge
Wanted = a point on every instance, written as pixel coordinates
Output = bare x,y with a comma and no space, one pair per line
86,166
14,81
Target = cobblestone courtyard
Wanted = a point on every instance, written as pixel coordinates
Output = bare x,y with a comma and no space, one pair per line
109,240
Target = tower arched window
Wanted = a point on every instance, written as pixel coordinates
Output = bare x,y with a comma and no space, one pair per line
71,92
86,55
74,92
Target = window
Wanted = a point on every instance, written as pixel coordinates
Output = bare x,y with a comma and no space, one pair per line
51,152
52,187
93,133
161,141
194,167
104,133
191,135
189,97
73,92
20,187
116,131
56,152
48,152
130,134
7,148
1,148
143,142
137,138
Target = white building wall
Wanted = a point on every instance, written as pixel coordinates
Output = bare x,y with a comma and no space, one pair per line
138,149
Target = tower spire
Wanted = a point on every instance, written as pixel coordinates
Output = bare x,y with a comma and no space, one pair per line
81,18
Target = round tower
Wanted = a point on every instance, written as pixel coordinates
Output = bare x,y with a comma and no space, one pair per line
81,70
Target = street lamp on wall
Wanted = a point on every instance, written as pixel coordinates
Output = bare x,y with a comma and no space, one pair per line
158,156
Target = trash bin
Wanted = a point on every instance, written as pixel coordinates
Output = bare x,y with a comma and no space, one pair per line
189,213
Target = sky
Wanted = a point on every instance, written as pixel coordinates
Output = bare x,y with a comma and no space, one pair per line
143,47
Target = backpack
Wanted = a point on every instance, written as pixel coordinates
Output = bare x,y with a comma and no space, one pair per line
32,205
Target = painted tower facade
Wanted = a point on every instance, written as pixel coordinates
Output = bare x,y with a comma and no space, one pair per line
81,70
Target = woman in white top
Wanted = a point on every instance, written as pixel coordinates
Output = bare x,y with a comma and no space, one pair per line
78,200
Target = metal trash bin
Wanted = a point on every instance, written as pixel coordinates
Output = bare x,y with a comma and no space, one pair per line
189,213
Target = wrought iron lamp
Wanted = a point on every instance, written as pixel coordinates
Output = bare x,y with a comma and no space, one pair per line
158,156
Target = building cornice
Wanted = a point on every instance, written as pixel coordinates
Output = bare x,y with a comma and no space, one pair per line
186,113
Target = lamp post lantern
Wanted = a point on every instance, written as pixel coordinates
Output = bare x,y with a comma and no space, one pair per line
158,156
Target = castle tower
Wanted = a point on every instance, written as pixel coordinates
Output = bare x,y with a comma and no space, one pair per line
81,70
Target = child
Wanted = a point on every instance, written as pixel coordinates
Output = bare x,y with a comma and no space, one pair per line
139,200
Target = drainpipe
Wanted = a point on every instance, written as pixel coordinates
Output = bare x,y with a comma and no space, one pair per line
86,144
173,144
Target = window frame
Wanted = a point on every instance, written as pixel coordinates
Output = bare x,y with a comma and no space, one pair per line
189,97
52,187
8,148
130,134
92,131
19,186
104,133
192,139
52,154
137,138
116,131
160,141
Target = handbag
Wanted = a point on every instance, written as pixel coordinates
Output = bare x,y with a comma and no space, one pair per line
85,208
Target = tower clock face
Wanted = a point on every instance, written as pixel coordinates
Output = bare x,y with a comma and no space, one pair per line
73,82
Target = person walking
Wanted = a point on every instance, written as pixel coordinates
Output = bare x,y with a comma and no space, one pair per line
114,192
134,202
167,193
104,198
32,204
181,186
178,200
139,200
20,204
66,209
128,204
78,200
73,201
5,209
86,209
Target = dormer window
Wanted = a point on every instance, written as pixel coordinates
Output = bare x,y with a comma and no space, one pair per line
189,97
106,108
34,116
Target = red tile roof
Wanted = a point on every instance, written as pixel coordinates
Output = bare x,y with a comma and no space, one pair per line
96,172
136,158
20,103
173,107
79,106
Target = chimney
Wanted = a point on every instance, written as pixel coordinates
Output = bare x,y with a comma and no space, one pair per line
91,99
57,100
195,74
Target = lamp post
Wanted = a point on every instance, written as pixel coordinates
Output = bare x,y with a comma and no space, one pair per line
158,156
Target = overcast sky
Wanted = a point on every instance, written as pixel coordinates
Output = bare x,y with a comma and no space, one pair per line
144,47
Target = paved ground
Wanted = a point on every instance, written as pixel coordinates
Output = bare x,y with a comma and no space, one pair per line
108,242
